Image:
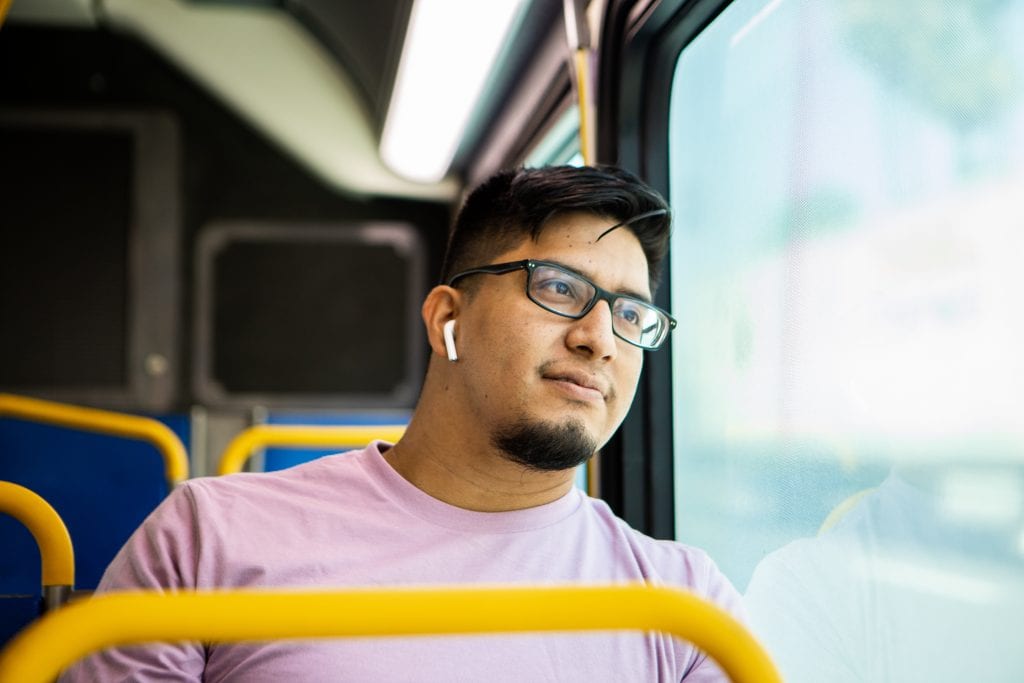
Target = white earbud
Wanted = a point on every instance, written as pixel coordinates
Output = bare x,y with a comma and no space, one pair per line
449,340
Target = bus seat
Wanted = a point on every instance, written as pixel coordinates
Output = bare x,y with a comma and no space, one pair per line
102,485
56,563
249,440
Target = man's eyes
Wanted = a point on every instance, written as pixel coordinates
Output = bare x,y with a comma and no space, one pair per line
560,286
631,313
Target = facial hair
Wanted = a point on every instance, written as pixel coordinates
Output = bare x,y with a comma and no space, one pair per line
545,446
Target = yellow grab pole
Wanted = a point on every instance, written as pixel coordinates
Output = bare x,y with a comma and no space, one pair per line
301,436
55,550
4,6
577,34
103,422
581,58
42,650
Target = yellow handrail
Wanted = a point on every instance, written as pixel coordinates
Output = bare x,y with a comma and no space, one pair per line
4,6
55,641
55,550
103,422
302,436
842,508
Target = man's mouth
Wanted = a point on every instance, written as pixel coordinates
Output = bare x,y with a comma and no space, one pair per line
579,384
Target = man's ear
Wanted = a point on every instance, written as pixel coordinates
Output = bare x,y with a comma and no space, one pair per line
442,304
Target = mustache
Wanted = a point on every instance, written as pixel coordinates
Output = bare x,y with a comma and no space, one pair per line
578,375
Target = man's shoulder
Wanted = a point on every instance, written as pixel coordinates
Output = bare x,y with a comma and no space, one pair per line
314,479
667,560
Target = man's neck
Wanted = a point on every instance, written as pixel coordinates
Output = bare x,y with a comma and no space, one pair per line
468,472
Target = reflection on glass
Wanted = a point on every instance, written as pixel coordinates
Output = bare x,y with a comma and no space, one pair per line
904,587
846,273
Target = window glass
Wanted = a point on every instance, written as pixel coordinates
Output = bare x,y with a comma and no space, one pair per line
846,271
561,144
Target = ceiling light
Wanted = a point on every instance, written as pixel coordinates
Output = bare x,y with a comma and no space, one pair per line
450,48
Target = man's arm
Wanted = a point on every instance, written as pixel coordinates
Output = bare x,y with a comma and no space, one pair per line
161,555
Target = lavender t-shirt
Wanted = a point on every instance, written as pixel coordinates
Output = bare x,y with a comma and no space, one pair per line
350,520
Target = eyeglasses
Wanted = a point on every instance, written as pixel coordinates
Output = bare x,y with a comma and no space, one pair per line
569,294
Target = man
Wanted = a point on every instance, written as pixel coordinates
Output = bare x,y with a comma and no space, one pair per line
538,334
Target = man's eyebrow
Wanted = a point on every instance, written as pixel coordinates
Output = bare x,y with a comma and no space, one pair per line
573,269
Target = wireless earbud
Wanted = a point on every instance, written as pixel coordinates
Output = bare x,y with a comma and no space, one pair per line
449,340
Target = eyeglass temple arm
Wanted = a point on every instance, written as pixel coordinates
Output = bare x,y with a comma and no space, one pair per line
496,269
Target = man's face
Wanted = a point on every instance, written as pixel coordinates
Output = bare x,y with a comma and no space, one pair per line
531,372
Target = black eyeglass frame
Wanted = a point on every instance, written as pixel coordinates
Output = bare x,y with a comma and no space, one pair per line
600,294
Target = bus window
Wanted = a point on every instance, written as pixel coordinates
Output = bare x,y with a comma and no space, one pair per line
561,144
845,273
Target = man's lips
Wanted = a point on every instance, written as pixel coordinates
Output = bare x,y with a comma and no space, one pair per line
587,386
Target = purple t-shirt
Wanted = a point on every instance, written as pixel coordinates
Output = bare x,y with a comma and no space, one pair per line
350,521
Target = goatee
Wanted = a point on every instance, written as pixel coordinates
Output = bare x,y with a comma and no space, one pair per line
545,446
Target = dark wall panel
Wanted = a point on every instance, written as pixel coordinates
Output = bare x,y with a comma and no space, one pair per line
229,172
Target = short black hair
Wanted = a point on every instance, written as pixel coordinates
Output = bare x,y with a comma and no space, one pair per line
513,205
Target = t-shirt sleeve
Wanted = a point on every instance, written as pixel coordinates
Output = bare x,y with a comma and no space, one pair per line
716,588
160,555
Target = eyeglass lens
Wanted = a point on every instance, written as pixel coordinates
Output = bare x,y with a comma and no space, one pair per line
566,294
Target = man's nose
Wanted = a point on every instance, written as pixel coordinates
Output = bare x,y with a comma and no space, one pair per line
592,334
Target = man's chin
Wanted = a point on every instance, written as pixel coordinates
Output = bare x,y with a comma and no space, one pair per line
546,446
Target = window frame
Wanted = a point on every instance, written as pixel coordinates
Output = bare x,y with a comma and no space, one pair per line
640,43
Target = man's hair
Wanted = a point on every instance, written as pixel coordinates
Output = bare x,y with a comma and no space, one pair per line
516,204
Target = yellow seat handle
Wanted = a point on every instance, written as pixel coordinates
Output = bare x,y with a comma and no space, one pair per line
301,436
55,550
103,422
42,650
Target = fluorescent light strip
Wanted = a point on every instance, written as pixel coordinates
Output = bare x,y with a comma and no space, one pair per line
450,48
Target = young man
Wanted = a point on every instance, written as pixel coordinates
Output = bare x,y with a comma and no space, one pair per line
538,335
